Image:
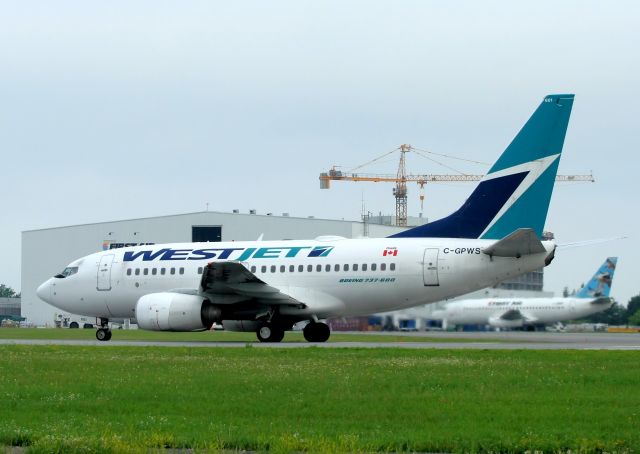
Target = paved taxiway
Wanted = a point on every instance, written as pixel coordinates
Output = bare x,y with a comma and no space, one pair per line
439,340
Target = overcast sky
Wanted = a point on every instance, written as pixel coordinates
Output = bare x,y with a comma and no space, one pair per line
121,109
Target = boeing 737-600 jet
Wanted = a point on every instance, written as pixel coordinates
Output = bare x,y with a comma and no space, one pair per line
532,312
268,286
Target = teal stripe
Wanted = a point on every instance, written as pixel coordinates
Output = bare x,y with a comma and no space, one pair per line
542,136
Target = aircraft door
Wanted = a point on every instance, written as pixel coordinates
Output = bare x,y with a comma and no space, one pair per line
430,267
104,272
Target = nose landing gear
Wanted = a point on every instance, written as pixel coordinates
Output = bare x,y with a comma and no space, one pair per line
103,333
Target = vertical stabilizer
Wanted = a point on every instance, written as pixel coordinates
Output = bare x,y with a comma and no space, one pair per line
600,283
516,192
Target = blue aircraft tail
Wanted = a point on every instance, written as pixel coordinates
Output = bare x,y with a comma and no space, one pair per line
600,283
517,190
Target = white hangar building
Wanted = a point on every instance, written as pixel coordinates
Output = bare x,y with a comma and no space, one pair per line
46,252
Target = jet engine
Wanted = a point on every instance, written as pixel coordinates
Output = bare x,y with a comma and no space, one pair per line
168,311
498,322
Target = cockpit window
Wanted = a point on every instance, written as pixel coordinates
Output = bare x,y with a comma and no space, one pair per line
67,272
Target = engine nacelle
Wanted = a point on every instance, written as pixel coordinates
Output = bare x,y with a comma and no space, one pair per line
168,311
240,325
498,322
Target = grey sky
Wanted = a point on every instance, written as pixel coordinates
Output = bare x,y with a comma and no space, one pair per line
112,110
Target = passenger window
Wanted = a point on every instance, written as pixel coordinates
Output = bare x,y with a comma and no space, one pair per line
300,268
327,268
373,266
200,269
137,271
346,267
273,268
355,267
292,268
282,268
392,267
364,267
336,268
253,269
263,269
154,271
383,266
173,271
181,270
318,268
162,271
309,268
128,271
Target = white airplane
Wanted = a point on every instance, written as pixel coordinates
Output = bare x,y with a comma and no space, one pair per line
268,286
532,312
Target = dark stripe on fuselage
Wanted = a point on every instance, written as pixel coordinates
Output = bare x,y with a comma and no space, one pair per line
474,215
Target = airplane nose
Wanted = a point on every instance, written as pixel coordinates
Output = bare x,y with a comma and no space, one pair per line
44,291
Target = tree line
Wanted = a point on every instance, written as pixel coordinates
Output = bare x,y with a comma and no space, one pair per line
8,292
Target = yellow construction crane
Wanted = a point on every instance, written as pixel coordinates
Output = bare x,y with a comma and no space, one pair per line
401,178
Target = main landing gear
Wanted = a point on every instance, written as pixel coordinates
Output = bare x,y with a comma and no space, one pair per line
274,332
316,332
270,332
103,333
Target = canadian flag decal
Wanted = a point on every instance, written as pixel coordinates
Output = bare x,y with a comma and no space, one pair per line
391,251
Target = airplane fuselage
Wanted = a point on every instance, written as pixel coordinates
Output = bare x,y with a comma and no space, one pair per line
334,277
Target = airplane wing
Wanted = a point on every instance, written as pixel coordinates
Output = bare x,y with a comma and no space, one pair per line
520,242
514,314
231,282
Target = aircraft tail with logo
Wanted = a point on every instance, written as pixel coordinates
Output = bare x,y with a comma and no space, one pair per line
600,284
516,191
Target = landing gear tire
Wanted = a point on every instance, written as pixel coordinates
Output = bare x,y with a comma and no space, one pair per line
270,332
316,332
103,334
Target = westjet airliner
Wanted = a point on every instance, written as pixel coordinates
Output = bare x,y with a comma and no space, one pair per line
268,286
532,312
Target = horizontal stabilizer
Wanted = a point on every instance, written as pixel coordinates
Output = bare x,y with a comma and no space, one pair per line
603,301
516,244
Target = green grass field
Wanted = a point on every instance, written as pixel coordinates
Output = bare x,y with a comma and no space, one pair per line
119,399
206,336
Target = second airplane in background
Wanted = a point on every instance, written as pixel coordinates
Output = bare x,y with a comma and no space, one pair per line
531,312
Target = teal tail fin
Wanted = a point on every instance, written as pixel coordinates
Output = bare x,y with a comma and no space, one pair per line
516,192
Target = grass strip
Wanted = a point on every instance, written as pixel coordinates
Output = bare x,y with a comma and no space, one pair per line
136,399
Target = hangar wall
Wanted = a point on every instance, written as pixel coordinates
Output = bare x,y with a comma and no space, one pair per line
46,252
